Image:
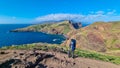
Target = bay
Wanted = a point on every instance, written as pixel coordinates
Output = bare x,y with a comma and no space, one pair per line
8,38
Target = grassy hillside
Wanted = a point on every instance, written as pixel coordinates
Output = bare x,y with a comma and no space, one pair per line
53,28
99,36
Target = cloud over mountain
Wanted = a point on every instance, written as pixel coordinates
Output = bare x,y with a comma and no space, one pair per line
89,18
92,17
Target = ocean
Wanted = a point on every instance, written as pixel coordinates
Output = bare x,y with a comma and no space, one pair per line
8,38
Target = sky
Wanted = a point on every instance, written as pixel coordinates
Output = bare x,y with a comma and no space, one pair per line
36,11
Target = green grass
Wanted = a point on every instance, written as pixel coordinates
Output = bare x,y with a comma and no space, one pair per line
42,46
66,30
98,56
78,52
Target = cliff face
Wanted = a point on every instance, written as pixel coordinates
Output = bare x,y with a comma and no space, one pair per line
99,36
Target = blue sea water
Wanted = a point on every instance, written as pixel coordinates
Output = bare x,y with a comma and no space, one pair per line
8,38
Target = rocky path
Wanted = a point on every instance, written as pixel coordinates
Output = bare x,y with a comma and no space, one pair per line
49,59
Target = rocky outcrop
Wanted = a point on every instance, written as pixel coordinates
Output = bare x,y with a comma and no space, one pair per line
76,25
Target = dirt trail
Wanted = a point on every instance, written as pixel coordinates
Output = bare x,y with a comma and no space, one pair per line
49,59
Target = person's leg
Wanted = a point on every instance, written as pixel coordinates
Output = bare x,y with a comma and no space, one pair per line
69,53
72,53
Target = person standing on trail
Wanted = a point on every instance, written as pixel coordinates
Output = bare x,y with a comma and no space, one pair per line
72,47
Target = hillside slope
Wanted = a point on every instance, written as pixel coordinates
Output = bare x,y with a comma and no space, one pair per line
99,36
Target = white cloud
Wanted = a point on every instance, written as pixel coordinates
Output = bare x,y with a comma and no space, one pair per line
100,12
90,18
111,12
58,17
